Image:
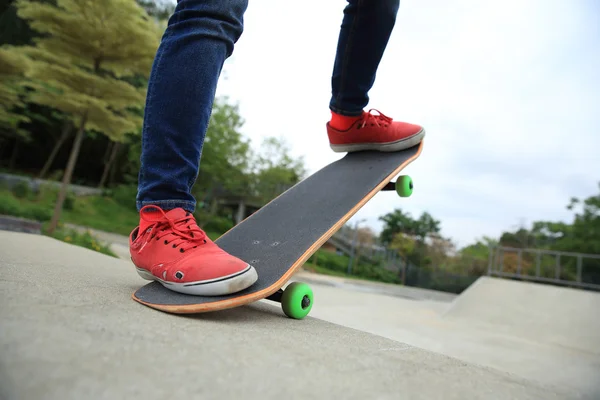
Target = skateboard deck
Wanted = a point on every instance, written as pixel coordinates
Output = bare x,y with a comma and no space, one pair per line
282,235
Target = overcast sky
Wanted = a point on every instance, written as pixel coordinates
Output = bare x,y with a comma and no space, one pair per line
509,93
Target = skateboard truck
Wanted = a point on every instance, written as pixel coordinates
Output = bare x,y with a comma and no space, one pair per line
403,186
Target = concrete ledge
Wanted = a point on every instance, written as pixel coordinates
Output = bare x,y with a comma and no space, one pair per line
69,330
16,224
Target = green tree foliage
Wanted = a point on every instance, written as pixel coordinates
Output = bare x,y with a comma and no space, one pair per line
399,222
274,170
581,235
225,155
479,249
408,235
13,67
79,63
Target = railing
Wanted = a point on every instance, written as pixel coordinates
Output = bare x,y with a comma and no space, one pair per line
558,267
393,261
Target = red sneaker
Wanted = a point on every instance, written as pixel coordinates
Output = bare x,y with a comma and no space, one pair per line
375,132
170,247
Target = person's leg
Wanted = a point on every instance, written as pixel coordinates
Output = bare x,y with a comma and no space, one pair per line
366,28
199,38
168,246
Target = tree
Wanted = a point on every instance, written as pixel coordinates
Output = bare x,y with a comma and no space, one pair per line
365,237
80,63
225,153
67,127
274,169
408,235
584,234
13,67
399,222
396,222
439,251
480,249
161,10
13,30
403,243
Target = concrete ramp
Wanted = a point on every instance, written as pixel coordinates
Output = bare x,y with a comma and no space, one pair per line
556,315
69,330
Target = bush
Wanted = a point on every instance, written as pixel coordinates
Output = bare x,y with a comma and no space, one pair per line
125,195
218,225
22,190
48,195
85,239
339,264
10,205
331,261
39,212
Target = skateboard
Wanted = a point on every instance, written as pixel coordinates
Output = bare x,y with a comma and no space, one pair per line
282,235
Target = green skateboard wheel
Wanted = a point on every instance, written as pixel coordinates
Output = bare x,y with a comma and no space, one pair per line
404,186
297,300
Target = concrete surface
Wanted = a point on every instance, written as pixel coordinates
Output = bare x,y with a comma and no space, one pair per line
69,330
430,324
527,310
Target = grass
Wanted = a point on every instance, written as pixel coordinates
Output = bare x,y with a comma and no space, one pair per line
328,263
83,239
101,213
117,214
96,212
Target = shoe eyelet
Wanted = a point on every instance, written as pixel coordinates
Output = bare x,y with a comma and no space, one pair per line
174,245
181,250
166,242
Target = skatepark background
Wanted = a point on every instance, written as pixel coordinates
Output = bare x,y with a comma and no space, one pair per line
449,276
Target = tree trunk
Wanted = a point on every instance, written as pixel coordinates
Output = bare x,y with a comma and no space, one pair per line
113,172
107,151
109,163
57,146
68,174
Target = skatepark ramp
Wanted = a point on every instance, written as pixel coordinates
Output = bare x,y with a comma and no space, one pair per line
539,312
70,330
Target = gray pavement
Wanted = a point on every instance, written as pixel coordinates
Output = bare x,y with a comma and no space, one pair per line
69,330
536,343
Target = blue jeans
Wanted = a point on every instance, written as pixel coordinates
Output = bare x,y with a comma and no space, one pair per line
199,38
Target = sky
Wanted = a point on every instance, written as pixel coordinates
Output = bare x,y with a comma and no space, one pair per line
508,92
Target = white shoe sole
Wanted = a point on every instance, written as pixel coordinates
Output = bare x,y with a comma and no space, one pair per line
385,147
215,287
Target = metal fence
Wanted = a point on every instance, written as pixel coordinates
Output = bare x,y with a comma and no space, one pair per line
558,267
571,269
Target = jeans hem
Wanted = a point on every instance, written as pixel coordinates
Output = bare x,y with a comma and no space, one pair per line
168,204
346,112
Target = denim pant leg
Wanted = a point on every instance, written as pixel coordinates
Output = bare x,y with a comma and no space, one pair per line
200,36
364,34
